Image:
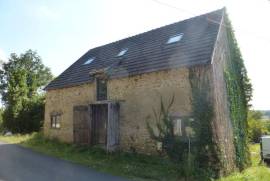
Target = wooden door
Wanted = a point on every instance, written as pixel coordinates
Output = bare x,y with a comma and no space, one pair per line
82,125
113,126
99,123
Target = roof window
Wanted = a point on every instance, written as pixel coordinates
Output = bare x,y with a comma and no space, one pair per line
122,52
88,61
175,38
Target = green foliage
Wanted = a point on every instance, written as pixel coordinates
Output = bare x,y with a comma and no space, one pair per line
257,172
240,93
257,126
28,119
253,114
21,78
173,145
1,120
197,157
207,150
176,147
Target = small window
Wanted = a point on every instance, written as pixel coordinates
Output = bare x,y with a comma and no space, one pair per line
101,89
175,38
90,60
178,127
55,121
122,52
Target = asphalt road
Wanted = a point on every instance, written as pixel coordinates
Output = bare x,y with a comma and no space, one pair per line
21,164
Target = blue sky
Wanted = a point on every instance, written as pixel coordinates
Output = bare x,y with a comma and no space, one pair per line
63,30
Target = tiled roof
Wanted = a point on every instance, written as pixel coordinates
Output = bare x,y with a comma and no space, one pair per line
149,51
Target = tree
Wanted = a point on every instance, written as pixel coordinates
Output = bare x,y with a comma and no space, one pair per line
27,66
256,115
21,78
1,120
257,126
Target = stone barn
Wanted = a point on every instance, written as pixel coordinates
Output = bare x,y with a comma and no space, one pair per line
105,97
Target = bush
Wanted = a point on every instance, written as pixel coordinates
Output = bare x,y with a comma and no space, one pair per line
29,118
1,120
257,128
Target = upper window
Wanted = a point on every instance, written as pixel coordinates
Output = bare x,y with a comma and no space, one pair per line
175,38
101,89
88,61
122,52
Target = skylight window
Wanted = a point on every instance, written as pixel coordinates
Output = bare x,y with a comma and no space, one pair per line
122,52
175,38
88,61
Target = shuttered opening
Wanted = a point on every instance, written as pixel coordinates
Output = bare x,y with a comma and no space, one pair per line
81,125
97,124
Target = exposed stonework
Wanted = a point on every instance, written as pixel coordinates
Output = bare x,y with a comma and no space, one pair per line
63,100
141,94
222,123
138,95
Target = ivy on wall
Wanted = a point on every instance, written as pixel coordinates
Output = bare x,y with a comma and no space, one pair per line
208,153
239,91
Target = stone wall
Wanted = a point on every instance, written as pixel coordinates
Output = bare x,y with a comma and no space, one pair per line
138,96
222,122
63,100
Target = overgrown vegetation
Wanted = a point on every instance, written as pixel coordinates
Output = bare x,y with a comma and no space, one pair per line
239,91
257,171
208,153
197,158
21,81
1,120
257,126
133,166
177,147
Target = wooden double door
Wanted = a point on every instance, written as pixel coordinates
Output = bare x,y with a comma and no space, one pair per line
97,124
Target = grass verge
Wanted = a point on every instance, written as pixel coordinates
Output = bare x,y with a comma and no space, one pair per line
133,166
257,172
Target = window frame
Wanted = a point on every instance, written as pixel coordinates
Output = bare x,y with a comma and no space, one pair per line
99,96
122,52
55,120
178,126
175,38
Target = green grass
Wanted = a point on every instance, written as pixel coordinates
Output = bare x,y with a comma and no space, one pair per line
133,166
257,172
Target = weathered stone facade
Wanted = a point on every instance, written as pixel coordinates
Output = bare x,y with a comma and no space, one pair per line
138,95
63,100
222,122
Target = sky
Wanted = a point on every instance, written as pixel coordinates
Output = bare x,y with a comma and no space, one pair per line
61,31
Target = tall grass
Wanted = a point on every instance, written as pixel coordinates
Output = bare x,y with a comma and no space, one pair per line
257,172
